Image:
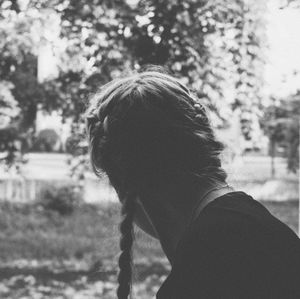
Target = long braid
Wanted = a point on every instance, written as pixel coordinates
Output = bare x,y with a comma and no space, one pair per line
97,129
126,241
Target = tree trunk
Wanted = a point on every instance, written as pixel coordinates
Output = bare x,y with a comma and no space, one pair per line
272,154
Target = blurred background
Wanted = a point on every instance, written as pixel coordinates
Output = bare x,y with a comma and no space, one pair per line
58,222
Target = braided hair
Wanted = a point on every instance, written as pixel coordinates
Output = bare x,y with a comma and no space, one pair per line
143,129
126,229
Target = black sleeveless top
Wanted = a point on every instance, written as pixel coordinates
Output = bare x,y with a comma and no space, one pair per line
235,249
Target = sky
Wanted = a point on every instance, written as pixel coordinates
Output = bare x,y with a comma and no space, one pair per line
283,55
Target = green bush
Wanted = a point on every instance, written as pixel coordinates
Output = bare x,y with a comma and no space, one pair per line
63,199
46,141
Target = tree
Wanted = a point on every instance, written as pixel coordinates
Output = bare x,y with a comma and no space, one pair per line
8,134
205,43
18,63
20,36
281,124
213,46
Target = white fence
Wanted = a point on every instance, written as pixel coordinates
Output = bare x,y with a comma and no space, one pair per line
250,174
19,189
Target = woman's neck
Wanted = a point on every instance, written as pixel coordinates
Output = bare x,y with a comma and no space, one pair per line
171,207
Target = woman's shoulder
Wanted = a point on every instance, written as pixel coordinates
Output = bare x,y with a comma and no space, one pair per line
229,219
237,226
239,202
237,215
233,232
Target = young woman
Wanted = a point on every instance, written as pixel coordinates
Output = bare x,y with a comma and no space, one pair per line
153,139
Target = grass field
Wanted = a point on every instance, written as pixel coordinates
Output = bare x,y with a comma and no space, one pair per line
45,255
89,234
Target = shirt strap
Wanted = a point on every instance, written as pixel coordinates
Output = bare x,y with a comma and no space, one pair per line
209,197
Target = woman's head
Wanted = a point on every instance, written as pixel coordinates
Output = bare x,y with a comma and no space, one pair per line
144,130
148,127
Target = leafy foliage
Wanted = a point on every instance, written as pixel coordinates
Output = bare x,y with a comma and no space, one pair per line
213,46
46,140
281,124
21,34
63,200
210,45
